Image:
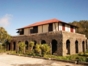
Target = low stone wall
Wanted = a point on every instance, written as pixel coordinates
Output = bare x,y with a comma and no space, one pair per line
73,38
56,40
47,37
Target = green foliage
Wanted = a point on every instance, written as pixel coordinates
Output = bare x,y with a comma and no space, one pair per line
2,49
38,49
72,57
82,26
45,49
21,47
0,46
5,38
11,52
31,43
4,35
82,59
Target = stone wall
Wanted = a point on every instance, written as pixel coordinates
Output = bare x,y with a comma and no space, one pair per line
57,38
73,38
47,37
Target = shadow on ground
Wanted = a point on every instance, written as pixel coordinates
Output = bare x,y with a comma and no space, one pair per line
31,65
43,65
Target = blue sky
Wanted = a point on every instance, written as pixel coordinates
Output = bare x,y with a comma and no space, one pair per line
18,13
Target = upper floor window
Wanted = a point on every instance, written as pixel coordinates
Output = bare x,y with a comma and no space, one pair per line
21,32
50,28
71,28
34,29
63,27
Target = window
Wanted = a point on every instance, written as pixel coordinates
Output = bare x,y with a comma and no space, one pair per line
71,29
63,27
50,28
21,32
31,30
34,30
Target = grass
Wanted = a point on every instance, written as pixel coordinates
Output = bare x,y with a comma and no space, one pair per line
68,58
83,57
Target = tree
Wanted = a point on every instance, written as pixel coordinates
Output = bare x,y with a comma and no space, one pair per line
82,26
38,49
31,44
42,49
4,36
22,46
45,49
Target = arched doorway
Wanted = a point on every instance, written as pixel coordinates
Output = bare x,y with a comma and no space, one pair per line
19,41
26,43
76,46
86,44
34,44
83,46
54,46
9,46
14,45
43,42
68,46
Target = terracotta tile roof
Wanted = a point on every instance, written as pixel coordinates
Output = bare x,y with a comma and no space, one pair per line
42,23
45,22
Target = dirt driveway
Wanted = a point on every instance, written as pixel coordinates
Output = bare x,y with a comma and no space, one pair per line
11,60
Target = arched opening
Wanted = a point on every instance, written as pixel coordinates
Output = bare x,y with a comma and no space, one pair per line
76,46
86,44
68,46
43,42
83,46
19,41
26,43
14,45
34,44
9,46
54,46
18,45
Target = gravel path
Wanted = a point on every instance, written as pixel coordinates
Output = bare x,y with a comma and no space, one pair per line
11,60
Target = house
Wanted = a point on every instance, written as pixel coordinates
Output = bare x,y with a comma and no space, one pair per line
47,26
59,35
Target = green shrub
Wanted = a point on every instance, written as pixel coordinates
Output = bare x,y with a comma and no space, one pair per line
45,49
21,47
82,59
11,52
2,49
38,49
31,44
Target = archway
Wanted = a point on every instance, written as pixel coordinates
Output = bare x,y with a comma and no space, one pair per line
34,44
14,45
9,46
54,46
68,46
43,42
18,48
26,43
83,46
76,46
86,44
19,41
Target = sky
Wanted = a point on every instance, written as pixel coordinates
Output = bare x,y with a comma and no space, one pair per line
15,14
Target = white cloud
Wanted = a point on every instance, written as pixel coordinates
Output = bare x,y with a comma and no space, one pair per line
5,20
